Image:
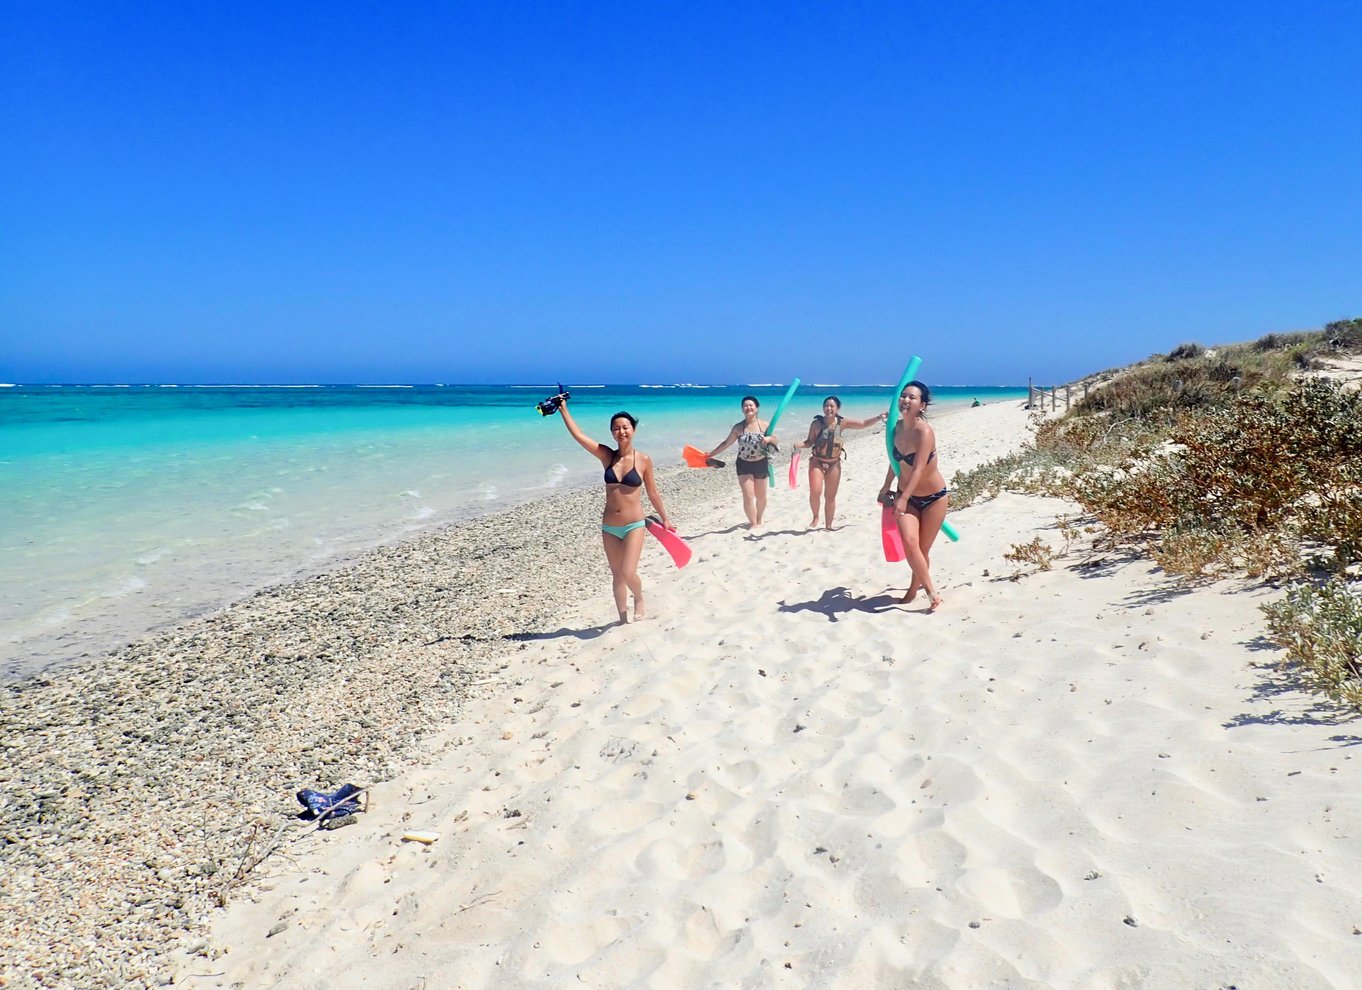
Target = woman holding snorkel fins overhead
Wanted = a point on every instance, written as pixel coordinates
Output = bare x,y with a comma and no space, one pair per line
922,498
628,472
825,456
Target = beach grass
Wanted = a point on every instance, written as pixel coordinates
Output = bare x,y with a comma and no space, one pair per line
1230,460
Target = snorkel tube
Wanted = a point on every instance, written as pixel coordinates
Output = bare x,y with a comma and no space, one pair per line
771,428
909,373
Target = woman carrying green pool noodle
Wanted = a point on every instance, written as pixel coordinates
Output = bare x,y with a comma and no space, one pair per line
909,373
922,496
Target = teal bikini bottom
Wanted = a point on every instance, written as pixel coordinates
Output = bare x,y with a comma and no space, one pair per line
620,532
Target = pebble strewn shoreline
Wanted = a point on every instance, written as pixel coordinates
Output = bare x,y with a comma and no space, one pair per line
138,791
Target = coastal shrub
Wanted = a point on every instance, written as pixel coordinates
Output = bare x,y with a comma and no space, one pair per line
1021,471
1344,335
1281,341
1218,462
1242,487
1184,351
1157,393
1321,631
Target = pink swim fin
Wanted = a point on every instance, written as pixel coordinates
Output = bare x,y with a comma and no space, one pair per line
672,543
889,535
794,470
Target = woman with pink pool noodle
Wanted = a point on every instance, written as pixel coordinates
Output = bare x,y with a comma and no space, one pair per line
628,471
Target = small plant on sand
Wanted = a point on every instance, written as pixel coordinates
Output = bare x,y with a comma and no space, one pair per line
1037,552
1321,630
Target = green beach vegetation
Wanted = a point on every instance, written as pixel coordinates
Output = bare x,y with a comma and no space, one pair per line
1243,459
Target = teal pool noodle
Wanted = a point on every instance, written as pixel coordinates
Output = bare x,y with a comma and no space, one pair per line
775,417
771,428
909,373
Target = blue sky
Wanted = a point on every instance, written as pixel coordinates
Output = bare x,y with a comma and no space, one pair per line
694,191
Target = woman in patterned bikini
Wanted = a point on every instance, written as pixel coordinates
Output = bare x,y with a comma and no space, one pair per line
628,471
922,498
825,455
753,447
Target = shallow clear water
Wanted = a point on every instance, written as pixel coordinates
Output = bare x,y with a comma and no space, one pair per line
123,509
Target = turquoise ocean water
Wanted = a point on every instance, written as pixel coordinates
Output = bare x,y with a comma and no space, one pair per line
128,508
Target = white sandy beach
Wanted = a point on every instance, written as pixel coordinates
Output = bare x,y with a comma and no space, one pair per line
1089,777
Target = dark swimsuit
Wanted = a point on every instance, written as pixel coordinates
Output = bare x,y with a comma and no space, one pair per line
630,480
910,457
826,452
920,502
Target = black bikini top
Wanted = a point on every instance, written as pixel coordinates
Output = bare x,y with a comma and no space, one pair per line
630,480
912,456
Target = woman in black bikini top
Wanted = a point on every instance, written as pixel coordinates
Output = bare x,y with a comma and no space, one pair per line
922,498
622,521
825,456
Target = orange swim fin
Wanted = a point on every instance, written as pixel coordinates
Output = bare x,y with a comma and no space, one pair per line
696,458
672,543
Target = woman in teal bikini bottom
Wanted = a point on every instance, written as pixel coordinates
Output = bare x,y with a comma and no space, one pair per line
620,532
622,521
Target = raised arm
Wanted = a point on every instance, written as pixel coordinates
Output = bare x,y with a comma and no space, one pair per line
861,424
650,486
600,451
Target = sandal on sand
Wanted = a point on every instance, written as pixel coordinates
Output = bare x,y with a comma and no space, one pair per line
335,809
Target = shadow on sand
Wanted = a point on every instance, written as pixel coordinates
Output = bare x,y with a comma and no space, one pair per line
836,602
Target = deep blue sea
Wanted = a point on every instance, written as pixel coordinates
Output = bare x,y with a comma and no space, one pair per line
128,508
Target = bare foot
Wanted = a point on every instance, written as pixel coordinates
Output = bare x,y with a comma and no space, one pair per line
936,603
638,610
908,596
814,523
624,618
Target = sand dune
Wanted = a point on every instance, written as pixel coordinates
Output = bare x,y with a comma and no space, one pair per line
1089,777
